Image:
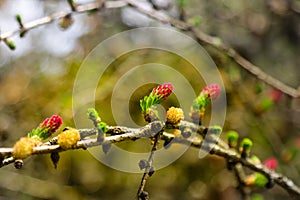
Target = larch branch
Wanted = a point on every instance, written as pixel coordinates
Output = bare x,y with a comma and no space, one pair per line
119,134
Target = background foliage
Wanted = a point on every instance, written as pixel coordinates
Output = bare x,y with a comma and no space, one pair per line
36,81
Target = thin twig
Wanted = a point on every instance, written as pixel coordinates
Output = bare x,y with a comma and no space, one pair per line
240,175
281,180
219,44
48,19
58,15
149,166
127,134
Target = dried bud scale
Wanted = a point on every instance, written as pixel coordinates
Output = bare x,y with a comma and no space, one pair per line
55,158
232,138
151,171
245,147
144,195
186,133
143,164
18,163
106,147
66,22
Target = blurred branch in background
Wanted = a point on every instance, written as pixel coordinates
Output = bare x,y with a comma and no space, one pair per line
79,9
164,18
219,44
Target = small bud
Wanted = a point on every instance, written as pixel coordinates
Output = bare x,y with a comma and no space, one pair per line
93,115
260,180
245,147
163,91
10,43
151,171
212,91
167,143
275,95
186,133
1,161
102,128
18,164
259,88
22,33
287,155
174,115
208,93
232,138
65,22
216,129
249,180
255,160
72,4
106,147
156,127
52,124
213,134
256,179
55,158
246,144
143,164
266,103
47,127
152,141
68,139
117,131
197,115
196,21
144,195
19,20
229,165
271,163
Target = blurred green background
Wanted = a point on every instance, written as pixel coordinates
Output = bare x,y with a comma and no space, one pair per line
36,81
